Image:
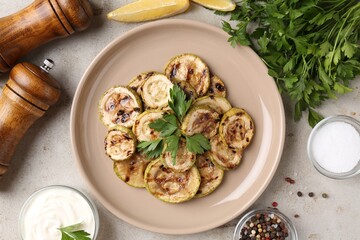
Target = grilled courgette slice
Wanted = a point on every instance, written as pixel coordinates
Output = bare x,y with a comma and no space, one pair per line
155,91
217,87
184,158
141,127
237,128
219,104
119,106
222,156
137,82
211,175
131,170
120,143
201,119
170,186
189,68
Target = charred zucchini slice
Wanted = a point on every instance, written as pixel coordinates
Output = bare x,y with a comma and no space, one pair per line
189,68
170,186
120,143
137,82
131,171
219,104
155,91
184,158
119,106
237,128
211,175
201,119
222,156
141,127
217,87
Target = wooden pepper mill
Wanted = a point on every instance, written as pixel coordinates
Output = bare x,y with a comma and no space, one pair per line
39,23
26,96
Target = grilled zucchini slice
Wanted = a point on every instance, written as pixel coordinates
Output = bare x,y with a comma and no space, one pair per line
141,127
170,186
237,128
222,156
120,143
217,87
131,170
184,158
119,106
211,175
155,91
137,82
201,119
189,68
219,104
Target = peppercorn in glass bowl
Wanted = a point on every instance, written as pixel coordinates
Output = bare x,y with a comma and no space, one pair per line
334,147
265,224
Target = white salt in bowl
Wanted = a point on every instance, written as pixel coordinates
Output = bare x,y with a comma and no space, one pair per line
334,147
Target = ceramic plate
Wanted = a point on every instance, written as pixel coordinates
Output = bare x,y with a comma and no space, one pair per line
149,47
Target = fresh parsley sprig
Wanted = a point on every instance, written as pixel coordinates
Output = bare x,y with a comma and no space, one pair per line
170,133
178,102
311,48
74,232
152,149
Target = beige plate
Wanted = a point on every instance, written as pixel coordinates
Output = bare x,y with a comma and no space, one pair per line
149,47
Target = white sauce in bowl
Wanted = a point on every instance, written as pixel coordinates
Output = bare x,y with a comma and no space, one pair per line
54,207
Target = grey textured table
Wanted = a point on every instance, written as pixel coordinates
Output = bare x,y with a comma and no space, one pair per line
44,157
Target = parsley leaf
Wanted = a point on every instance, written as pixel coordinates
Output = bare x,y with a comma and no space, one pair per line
172,144
73,232
178,102
166,126
197,143
152,149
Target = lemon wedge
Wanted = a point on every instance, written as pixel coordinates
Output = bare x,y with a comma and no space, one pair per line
221,5
145,10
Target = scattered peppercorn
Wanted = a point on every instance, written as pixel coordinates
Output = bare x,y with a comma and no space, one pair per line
274,204
299,194
311,194
296,216
264,226
324,195
290,180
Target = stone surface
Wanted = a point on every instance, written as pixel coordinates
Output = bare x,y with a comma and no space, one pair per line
44,157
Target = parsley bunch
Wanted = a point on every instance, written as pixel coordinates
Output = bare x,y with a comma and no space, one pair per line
311,47
170,134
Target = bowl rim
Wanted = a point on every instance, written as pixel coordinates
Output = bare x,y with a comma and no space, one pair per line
333,118
244,218
83,195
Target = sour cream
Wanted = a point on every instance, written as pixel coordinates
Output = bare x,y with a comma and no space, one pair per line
53,207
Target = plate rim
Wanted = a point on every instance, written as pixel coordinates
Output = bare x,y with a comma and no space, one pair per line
75,152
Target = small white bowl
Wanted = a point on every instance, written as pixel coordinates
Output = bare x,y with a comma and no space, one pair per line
33,196
310,146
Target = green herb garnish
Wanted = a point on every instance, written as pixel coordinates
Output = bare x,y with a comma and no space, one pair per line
152,149
73,232
310,47
170,133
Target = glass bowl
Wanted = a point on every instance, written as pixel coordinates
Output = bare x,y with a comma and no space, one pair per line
55,202
269,212
310,146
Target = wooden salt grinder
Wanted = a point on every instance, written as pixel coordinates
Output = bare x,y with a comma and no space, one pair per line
39,23
28,93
